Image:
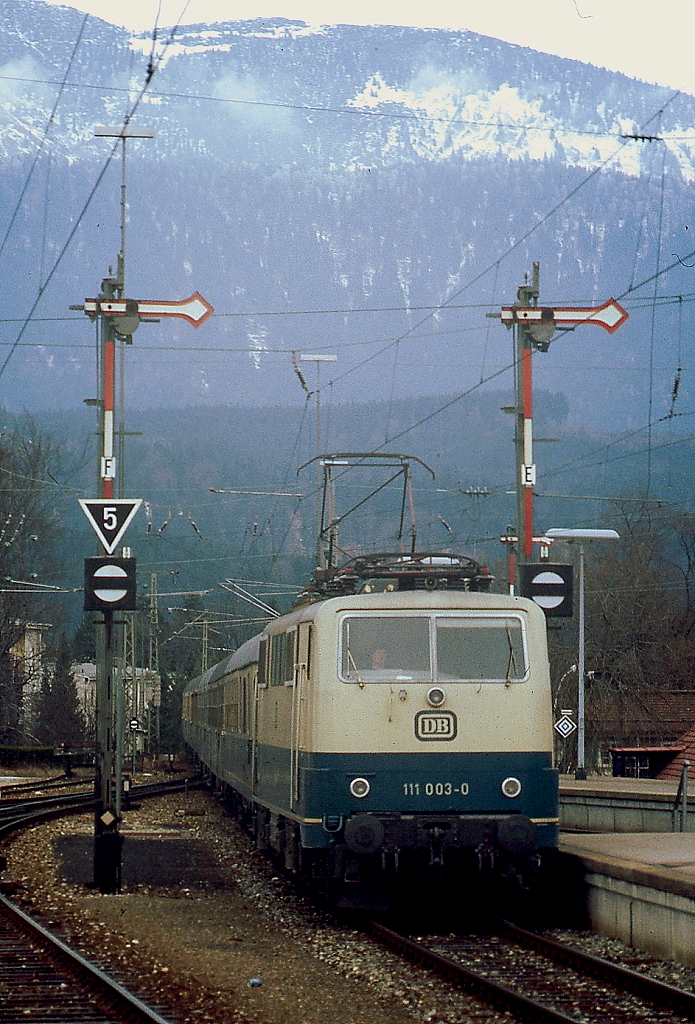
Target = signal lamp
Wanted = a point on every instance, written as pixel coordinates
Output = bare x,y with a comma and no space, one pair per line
436,696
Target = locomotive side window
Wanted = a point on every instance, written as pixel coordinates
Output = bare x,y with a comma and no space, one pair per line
436,648
304,646
480,649
290,656
282,658
384,648
276,661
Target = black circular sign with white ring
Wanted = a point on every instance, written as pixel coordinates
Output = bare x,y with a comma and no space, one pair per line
549,584
109,584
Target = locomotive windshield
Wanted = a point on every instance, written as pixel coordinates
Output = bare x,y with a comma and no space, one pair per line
436,648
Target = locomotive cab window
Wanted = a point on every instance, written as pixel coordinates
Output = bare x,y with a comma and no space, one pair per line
437,648
480,649
385,648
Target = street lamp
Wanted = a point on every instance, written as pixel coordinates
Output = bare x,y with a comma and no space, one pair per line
571,536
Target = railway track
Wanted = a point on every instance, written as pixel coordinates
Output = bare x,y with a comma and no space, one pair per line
507,968
10,790
42,978
544,981
25,809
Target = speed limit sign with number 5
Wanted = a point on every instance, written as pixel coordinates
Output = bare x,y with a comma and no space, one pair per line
110,518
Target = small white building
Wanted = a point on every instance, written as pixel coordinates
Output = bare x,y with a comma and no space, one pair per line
29,665
143,696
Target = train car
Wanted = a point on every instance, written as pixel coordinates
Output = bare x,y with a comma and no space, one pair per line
396,736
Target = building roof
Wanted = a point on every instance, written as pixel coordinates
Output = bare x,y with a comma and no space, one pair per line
643,719
686,753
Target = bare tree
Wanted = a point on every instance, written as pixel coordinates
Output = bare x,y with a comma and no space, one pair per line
29,531
640,627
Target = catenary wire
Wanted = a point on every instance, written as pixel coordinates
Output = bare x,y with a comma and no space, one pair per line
78,220
44,137
348,111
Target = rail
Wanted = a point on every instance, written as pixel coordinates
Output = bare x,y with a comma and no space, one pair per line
77,989
539,979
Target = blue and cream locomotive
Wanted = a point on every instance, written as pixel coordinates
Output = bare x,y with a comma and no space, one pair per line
393,730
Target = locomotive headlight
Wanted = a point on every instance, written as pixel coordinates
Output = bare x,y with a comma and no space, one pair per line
359,788
511,787
436,696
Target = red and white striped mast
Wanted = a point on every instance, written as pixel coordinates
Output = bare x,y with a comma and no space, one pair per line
114,288
107,465
522,551
534,327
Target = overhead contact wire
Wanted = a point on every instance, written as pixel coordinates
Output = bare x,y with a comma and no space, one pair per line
78,221
44,137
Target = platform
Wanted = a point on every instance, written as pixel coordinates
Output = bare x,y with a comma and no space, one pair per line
607,804
635,885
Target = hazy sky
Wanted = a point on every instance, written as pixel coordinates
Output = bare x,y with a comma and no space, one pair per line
650,40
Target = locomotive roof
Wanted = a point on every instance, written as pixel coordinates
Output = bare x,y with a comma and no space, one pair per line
424,600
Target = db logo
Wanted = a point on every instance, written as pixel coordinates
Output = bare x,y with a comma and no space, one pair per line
435,725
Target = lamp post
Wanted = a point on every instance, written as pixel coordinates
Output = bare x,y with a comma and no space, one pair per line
581,536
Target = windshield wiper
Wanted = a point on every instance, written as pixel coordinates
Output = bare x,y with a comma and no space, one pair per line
351,660
511,662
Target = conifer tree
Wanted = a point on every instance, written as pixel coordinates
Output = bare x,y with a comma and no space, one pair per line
59,721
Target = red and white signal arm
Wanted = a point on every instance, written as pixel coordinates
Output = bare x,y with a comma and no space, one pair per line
549,585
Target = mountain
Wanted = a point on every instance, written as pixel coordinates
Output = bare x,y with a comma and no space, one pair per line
373,193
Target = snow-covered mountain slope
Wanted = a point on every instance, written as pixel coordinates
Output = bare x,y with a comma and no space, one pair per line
374,174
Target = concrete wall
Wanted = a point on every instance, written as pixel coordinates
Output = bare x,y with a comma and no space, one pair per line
595,811
658,922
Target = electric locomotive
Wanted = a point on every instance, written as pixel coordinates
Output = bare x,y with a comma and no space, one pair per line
392,731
